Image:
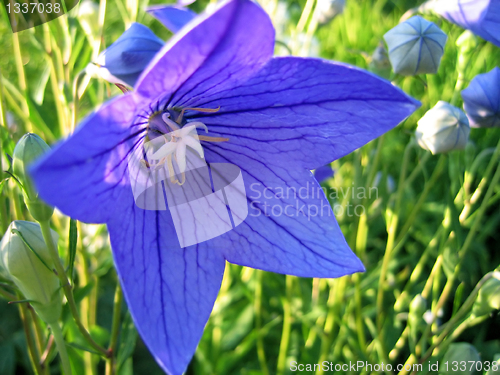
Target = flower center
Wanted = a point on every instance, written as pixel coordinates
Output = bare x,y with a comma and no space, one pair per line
175,136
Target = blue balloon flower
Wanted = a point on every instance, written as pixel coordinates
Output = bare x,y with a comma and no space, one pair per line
482,17
272,119
124,60
482,100
323,173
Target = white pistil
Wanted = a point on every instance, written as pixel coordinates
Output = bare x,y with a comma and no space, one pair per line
176,142
179,140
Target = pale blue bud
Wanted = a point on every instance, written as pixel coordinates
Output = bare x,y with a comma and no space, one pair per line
415,46
443,128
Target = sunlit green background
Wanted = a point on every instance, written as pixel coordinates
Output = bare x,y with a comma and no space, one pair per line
262,321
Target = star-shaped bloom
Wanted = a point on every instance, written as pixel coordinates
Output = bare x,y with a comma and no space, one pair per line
274,118
415,46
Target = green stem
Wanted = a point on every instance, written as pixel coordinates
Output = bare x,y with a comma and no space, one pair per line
61,347
7,295
76,97
40,339
47,236
3,113
261,354
287,325
304,16
391,231
21,77
115,330
464,310
484,182
477,220
468,240
421,200
334,304
23,312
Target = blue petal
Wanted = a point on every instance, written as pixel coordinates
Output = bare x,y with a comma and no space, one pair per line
217,52
170,291
323,173
290,227
303,113
482,99
173,18
482,17
491,23
85,176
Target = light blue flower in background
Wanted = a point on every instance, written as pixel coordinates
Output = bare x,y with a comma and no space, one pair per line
482,17
415,46
482,100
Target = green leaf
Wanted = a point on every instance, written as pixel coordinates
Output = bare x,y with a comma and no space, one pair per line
2,184
15,231
39,89
73,237
7,359
457,302
34,115
81,293
128,338
100,334
81,347
7,144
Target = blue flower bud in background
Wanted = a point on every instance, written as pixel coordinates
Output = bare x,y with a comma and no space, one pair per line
482,17
415,46
327,10
443,128
124,60
173,17
31,268
460,352
29,148
379,62
482,100
390,184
